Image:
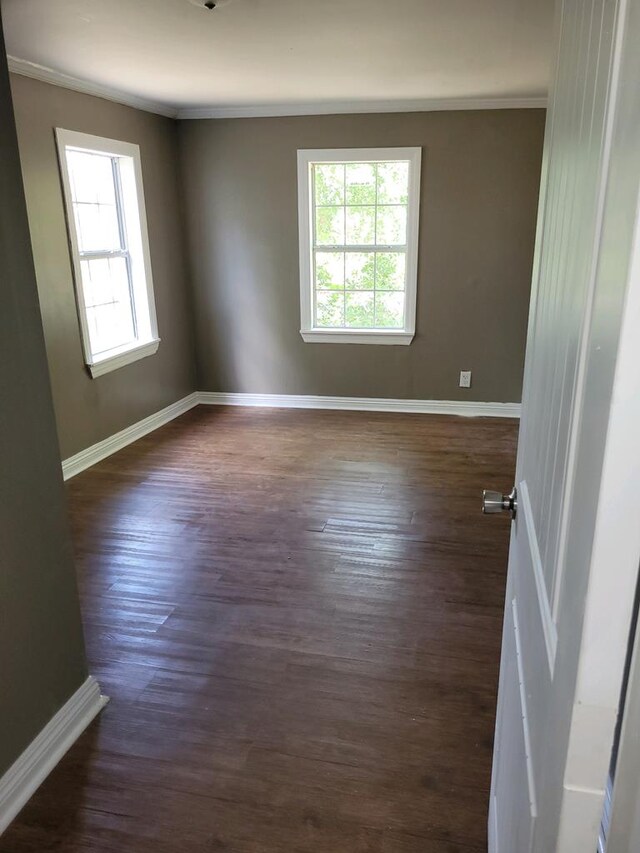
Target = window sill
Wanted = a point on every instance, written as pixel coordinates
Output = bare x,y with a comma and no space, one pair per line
113,362
394,337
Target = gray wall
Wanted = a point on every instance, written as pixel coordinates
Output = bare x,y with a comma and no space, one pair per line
480,180
41,645
236,194
89,410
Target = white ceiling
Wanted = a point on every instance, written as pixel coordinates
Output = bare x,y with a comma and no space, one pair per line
281,54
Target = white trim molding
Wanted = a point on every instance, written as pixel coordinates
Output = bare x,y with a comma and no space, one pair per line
423,105
106,365
86,458
130,246
417,105
311,159
30,770
97,452
494,841
526,727
362,404
66,81
390,337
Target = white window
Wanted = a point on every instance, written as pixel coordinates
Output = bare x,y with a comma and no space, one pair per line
102,181
358,219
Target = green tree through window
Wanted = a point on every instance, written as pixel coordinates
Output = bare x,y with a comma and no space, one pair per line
360,244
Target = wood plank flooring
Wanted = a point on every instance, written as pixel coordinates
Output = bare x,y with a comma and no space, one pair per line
297,616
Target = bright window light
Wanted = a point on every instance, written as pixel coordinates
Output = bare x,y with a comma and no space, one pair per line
358,217
102,181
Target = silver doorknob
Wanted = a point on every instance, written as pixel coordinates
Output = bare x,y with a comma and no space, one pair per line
497,502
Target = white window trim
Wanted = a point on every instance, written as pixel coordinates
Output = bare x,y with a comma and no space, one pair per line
114,359
311,334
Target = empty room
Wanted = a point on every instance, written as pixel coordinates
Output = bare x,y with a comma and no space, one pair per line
319,405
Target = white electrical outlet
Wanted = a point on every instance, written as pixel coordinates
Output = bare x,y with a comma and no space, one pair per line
465,379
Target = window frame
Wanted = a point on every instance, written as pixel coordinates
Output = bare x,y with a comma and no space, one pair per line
141,293
321,334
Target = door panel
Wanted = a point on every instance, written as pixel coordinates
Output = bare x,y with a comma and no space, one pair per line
513,808
560,665
530,586
564,271
535,633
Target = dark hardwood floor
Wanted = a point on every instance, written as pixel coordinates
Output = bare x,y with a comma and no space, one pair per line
297,616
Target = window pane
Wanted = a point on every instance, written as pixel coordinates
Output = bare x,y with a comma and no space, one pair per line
359,310
389,310
97,227
105,280
93,193
359,206
393,183
329,309
107,297
361,183
390,271
361,225
330,226
329,180
359,270
91,177
109,327
392,226
329,270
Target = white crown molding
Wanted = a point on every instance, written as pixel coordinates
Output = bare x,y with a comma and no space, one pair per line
86,458
76,84
352,107
363,404
30,770
66,81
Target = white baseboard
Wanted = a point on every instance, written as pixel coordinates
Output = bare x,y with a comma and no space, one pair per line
86,458
363,404
38,760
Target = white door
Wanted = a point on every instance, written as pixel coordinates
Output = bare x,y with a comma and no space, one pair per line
575,543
